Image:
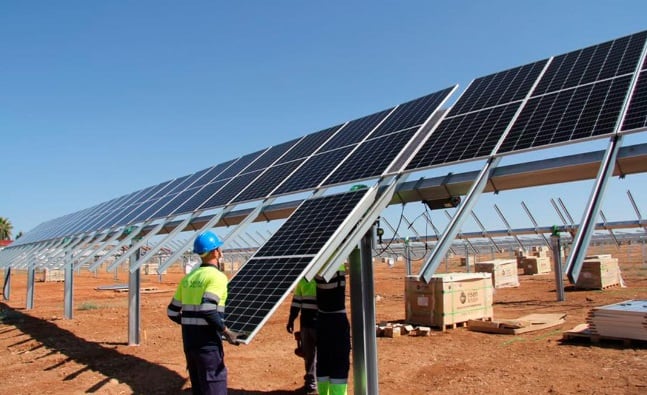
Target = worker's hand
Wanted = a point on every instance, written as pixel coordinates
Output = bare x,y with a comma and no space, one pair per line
290,326
231,337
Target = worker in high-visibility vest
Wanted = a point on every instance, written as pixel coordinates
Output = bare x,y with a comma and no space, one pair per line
333,335
304,301
199,306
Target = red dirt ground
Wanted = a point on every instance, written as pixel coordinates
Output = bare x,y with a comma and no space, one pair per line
43,353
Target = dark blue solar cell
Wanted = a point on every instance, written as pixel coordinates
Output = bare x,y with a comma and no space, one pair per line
311,225
176,202
587,111
371,158
313,171
598,62
355,131
412,113
636,117
498,88
258,287
308,145
231,189
240,164
195,201
213,173
269,180
464,137
270,156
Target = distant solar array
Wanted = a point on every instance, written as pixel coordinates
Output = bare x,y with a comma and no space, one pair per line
328,157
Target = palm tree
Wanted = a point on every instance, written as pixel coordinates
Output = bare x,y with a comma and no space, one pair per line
5,229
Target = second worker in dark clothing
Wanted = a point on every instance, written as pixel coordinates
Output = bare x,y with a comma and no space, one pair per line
304,301
333,335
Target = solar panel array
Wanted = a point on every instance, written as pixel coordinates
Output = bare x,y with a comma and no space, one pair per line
479,118
294,166
578,95
581,95
267,277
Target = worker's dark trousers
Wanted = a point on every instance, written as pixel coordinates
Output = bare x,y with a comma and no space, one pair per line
309,346
207,371
333,347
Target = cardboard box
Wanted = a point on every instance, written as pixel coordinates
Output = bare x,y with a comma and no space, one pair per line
504,272
536,265
46,275
448,299
599,272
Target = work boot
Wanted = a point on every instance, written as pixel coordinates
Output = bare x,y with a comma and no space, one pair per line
310,389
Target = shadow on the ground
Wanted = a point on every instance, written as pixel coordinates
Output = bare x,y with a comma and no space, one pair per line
142,376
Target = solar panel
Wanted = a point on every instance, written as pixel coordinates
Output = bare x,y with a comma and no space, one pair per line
261,283
230,190
464,137
192,203
240,164
595,63
636,117
270,156
309,144
268,181
355,131
580,96
313,171
479,117
498,89
413,113
586,111
371,158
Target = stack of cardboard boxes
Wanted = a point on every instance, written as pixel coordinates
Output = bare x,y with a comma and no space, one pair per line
448,299
538,262
504,272
599,272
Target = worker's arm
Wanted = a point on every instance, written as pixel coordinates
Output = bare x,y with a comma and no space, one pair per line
174,309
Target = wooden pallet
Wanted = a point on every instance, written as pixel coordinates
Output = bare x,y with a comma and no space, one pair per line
582,333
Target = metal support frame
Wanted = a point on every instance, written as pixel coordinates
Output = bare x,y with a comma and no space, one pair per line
484,230
436,256
534,223
508,227
6,285
95,246
142,259
587,224
559,274
134,300
31,272
435,229
363,318
123,242
69,287
170,260
141,241
358,225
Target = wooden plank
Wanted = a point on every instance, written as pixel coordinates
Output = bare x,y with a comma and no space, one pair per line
527,323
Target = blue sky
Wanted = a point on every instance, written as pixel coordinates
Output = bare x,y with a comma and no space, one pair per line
102,98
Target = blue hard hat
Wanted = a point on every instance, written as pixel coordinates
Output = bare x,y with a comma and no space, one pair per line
206,242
